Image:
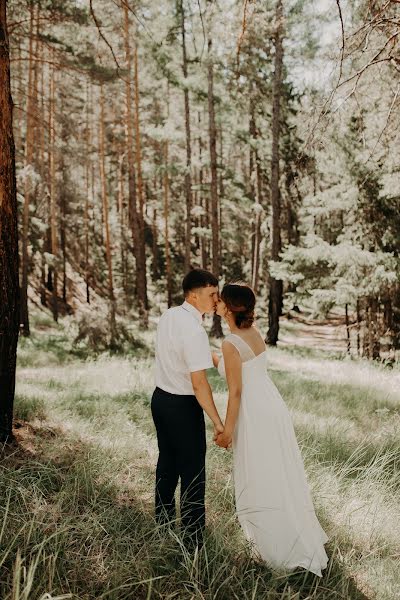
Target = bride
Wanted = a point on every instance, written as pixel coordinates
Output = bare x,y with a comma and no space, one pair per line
273,500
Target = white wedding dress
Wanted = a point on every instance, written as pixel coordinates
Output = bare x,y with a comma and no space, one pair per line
273,500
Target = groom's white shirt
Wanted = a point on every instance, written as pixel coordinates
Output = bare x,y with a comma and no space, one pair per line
182,347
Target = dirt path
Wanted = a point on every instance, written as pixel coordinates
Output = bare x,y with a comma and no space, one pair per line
326,335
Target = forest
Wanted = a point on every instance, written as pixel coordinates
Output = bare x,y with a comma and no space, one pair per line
139,139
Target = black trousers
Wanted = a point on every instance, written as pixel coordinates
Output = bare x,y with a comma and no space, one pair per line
180,426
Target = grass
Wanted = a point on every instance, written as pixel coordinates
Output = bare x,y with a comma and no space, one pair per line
76,493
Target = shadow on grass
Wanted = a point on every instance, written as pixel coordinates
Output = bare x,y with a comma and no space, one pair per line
74,529
55,347
344,400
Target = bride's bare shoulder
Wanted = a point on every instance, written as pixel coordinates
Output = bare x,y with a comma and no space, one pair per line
228,345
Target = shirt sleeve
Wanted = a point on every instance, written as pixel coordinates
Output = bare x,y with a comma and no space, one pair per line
197,352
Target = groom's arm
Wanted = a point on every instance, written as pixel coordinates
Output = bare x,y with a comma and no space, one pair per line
203,393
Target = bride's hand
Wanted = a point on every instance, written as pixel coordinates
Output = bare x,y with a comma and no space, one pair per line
218,429
224,440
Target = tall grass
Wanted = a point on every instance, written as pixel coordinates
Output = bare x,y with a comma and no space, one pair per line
76,494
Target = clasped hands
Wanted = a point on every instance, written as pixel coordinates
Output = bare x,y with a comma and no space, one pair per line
222,438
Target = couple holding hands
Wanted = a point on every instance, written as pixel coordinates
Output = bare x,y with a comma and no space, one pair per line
273,500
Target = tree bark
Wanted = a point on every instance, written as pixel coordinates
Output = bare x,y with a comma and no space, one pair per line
395,330
42,170
63,191
133,212
275,285
9,284
53,196
188,172
346,308
256,194
203,203
141,267
374,332
156,273
25,329
63,242
106,220
216,329
366,350
121,212
166,226
87,203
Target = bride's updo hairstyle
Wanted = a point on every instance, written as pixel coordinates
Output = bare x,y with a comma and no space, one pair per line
240,300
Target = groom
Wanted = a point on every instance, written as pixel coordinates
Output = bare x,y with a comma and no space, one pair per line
182,393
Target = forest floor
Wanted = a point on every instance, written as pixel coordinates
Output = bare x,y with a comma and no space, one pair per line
76,489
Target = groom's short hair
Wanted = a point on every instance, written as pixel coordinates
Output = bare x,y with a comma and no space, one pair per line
198,278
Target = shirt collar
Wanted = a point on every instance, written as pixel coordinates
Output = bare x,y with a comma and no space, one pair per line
190,308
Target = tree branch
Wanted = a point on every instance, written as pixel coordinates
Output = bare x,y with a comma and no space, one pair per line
241,35
102,35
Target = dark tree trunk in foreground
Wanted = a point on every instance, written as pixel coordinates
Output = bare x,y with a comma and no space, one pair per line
9,285
275,285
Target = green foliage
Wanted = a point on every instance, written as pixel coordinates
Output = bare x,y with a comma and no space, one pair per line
336,274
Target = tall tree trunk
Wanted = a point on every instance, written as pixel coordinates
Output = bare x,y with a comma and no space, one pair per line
29,136
18,99
133,212
275,285
156,272
9,285
203,203
374,328
49,278
255,271
86,214
41,164
106,221
212,133
188,172
141,268
255,192
396,319
63,241
251,178
346,308
259,216
53,194
166,226
121,212
366,350
63,204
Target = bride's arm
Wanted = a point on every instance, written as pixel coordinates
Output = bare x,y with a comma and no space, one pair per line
233,370
215,358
